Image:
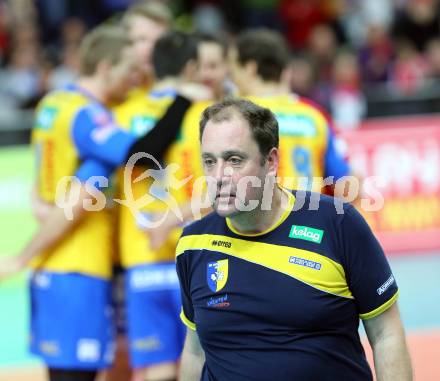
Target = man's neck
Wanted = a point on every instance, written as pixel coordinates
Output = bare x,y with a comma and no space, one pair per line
259,220
168,82
266,88
93,86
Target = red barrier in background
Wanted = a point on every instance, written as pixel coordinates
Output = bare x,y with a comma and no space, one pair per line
404,154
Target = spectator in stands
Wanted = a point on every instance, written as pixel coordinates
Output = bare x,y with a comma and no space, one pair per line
300,18
322,47
409,70
67,72
20,80
376,55
347,101
418,22
301,76
433,58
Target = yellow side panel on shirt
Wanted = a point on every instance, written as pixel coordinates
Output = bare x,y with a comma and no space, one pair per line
87,248
329,278
303,140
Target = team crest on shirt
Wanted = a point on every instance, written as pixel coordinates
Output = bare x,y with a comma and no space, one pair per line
217,274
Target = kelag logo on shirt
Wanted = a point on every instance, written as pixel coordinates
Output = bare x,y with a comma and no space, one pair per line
141,125
46,117
217,274
306,233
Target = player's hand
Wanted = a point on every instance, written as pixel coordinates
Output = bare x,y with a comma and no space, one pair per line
158,235
195,91
40,209
10,266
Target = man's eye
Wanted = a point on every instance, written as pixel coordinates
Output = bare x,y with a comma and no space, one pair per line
208,162
235,160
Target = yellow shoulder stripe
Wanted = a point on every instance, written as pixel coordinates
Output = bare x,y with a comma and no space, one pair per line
186,321
380,309
308,267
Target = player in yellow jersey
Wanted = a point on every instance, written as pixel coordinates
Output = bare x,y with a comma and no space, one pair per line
75,135
307,147
155,335
145,22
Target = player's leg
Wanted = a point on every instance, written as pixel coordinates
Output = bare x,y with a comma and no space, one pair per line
155,342
120,370
71,375
168,371
72,323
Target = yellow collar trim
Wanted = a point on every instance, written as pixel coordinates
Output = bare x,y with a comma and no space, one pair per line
283,217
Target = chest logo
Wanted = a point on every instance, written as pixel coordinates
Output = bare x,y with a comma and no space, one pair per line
306,233
217,274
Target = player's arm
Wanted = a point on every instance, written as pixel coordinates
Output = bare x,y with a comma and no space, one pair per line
54,228
163,133
193,358
58,222
387,339
96,136
40,208
374,289
346,184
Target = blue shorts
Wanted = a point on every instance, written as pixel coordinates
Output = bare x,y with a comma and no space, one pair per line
155,332
72,320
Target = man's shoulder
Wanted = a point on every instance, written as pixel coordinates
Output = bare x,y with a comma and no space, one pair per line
206,225
320,203
191,235
65,96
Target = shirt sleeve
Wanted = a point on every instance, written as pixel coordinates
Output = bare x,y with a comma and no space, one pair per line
95,169
368,273
96,136
187,314
335,164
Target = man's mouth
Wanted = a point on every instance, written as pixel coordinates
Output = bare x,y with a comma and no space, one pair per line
224,195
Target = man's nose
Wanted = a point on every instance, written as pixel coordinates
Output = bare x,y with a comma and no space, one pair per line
223,175
219,171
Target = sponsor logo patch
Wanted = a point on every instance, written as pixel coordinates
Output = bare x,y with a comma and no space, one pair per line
226,244
305,263
46,118
49,348
88,350
386,285
218,302
306,233
147,344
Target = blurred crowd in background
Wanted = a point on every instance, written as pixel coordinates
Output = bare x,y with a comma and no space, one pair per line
345,54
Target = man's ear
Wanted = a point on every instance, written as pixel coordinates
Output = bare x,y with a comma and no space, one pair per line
251,68
273,161
103,68
190,70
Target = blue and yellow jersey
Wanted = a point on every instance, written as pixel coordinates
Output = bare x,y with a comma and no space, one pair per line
74,135
284,304
307,147
186,153
138,116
